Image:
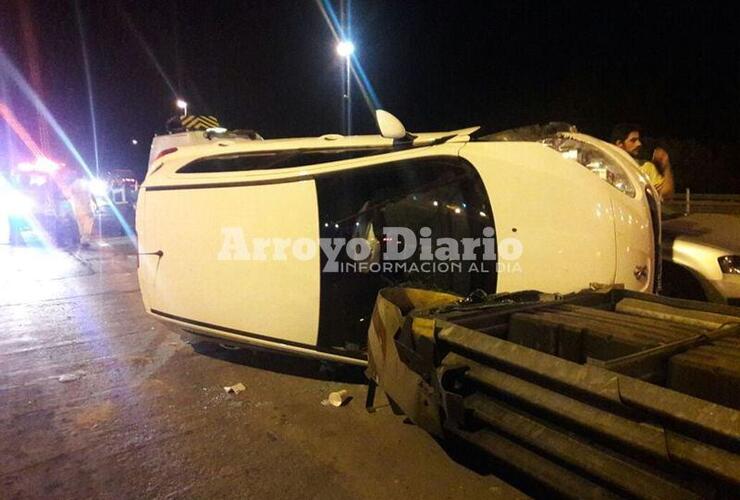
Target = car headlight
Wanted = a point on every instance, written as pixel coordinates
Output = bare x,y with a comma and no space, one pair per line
593,159
730,264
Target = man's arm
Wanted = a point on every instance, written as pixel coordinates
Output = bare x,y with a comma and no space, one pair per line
663,162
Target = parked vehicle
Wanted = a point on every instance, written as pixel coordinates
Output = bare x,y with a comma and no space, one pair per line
33,207
701,254
226,226
116,193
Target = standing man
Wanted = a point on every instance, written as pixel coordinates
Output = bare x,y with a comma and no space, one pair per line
658,170
77,191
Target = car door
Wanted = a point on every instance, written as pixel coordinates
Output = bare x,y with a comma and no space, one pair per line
219,266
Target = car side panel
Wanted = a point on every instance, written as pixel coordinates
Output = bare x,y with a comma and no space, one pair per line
559,211
211,273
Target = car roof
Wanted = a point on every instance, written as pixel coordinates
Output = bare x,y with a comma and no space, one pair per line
198,144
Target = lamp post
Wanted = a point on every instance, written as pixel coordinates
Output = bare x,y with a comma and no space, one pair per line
345,49
183,106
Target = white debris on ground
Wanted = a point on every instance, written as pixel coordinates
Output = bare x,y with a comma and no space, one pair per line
337,399
71,377
235,389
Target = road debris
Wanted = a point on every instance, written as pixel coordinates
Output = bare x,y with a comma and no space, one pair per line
337,399
235,389
71,377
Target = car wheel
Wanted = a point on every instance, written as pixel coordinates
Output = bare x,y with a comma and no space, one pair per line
680,283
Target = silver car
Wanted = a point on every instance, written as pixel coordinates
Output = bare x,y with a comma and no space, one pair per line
701,256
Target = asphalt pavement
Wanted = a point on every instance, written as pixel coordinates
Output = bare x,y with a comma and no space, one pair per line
99,400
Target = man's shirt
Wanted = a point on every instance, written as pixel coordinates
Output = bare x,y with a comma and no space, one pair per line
656,178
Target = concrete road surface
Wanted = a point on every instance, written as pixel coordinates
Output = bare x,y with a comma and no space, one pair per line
143,415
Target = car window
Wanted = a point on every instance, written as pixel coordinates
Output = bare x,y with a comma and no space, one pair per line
444,195
270,160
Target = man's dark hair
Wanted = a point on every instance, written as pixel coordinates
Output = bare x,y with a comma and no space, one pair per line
622,130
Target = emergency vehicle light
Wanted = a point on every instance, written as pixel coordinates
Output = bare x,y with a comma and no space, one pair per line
42,165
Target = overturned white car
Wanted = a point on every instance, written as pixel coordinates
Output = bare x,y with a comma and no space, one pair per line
284,243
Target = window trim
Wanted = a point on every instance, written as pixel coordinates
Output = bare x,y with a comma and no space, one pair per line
287,155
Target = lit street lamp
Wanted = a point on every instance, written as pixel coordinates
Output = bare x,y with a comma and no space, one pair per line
134,142
183,106
345,49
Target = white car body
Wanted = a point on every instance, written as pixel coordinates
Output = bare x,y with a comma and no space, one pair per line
576,230
696,243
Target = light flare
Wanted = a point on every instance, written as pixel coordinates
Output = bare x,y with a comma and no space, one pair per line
7,114
88,80
363,82
7,67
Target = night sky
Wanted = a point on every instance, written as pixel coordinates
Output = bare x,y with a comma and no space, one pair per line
271,66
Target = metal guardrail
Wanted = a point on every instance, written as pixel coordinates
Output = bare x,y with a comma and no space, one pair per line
704,203
595,395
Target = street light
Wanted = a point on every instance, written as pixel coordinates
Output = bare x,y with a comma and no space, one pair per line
183,106
345,49
134,142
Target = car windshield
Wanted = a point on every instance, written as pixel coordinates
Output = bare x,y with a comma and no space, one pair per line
529,133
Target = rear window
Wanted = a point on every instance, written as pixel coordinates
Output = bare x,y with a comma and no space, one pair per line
276,159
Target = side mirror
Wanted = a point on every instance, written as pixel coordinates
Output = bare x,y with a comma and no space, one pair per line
390,126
